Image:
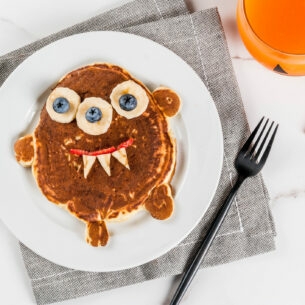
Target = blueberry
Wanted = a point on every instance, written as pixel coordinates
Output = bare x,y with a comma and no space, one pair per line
128,102
61,105
93,114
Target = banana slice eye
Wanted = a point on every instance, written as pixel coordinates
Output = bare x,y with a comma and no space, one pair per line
62,104
129,99
94,116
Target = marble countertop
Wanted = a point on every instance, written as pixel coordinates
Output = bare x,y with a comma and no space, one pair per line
273,278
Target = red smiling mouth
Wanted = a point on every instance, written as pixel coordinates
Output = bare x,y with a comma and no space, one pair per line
109,150
103,156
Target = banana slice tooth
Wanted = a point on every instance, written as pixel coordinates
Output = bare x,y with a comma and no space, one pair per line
98,127
73,99
129,87
88,163
105,162
121,156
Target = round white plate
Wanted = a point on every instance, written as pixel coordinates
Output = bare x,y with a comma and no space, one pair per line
51,231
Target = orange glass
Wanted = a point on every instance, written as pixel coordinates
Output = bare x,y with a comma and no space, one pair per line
274,33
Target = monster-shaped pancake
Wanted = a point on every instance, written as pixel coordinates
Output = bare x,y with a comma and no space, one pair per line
103,148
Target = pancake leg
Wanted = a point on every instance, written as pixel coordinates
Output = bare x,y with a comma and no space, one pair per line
160,203
97,233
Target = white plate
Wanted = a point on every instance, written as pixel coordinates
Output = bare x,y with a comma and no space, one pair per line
51,231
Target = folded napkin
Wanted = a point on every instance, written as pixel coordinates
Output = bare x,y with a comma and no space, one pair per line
248,229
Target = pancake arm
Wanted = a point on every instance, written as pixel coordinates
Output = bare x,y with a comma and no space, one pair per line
24,150
167,100
160,203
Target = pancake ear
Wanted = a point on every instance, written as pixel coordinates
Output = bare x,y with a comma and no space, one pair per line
168,101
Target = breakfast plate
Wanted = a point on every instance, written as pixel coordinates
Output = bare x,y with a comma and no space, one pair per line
52,232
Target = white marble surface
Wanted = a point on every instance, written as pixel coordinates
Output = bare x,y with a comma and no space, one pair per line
274,278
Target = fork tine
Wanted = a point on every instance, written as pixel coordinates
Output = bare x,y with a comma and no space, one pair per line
264,141
258,139
268,148
251,137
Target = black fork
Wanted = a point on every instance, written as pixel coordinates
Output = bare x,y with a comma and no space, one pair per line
249,161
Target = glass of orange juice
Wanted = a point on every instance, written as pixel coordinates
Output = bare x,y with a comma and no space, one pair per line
274,33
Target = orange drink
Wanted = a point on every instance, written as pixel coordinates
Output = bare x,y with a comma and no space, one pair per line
274,33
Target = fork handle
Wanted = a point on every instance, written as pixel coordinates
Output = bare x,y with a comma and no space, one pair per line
206,243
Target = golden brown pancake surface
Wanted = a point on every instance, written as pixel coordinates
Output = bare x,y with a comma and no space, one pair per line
101,196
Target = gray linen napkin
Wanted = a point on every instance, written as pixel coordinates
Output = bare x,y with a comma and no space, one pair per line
248,230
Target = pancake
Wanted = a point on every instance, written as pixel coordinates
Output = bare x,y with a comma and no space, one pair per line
106,153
